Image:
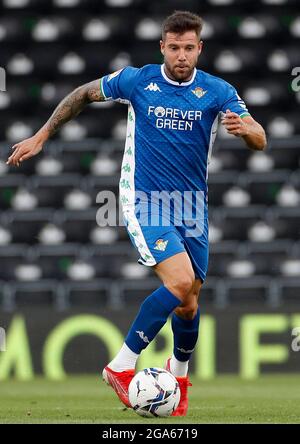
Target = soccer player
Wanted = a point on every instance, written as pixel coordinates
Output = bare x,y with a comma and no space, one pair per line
173,114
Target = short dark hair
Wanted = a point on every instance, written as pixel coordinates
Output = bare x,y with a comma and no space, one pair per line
182,21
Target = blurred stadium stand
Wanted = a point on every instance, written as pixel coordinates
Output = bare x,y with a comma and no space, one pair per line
51,250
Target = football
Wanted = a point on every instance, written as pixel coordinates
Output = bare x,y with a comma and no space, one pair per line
154,392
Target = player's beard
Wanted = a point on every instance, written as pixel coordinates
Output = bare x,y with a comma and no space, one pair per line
179,74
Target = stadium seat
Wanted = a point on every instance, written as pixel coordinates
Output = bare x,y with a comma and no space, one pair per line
236,222
12,256
246,290
221,254
55,260
52,190
92,293
261,232
268,256
265,187
286,290
26,225
286,222
132,291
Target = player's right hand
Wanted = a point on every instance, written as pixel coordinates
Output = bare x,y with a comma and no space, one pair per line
25,149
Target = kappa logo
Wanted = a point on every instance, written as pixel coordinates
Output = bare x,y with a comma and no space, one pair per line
161,245
182,350
199,92
152,87
142,336
241,102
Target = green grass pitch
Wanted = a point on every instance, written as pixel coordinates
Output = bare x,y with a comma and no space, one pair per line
86,399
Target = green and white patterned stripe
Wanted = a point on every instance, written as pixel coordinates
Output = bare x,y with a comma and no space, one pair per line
212,138
127,191
126,185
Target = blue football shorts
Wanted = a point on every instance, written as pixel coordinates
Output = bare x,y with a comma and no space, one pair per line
162,239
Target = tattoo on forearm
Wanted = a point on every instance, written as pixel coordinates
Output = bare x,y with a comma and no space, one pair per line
73,104
68,108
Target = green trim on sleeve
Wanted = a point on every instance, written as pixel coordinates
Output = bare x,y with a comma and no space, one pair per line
244,115
101,88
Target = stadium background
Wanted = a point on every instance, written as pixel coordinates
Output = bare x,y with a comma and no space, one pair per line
68,288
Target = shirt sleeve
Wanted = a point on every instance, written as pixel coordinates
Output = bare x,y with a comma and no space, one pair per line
119,85
231,100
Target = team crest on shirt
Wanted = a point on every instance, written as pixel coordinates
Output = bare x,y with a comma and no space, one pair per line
161,245
114,74
199,92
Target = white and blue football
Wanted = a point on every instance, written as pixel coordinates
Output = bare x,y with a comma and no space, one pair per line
154,392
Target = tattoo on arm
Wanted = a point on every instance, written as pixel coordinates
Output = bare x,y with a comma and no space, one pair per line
73,104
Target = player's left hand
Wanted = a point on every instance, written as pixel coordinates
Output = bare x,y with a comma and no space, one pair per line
234,124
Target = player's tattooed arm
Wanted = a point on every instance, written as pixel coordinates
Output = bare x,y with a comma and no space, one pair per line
73,104
66,110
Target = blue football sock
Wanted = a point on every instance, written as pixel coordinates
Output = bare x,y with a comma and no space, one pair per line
152,316
185,336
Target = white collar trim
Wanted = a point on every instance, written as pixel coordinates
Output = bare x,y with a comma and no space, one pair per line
173,82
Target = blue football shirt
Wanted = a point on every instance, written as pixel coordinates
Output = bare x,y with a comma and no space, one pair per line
171,127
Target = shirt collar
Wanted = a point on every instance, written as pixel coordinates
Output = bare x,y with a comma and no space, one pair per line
174,82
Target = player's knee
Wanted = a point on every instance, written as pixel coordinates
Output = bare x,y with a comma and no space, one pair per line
187,312
181,285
